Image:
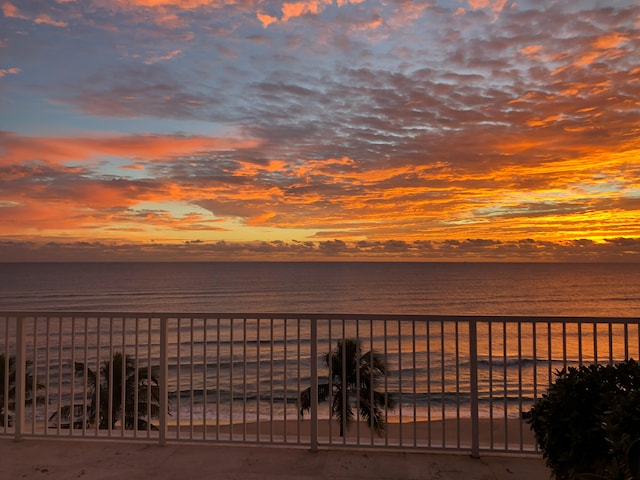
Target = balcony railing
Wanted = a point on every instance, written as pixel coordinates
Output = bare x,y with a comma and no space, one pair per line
450,382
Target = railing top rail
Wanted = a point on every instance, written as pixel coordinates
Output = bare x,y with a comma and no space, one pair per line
321,316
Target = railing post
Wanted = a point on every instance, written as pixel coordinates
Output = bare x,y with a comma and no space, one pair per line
314,385
473,384
21,364
163,377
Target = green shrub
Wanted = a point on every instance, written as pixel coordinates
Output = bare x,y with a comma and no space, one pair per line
588,423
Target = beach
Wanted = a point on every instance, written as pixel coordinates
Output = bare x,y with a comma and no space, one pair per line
192,458
449,434
99,460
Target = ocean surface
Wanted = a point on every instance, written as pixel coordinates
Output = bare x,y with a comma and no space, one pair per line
387,288
232,386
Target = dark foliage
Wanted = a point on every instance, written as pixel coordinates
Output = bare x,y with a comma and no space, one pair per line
588,423
141,393
8,373
354,377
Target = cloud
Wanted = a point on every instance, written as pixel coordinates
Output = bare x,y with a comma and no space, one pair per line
581,250
493,5
11,11
19,149
9,71
163,58
265,19
378,124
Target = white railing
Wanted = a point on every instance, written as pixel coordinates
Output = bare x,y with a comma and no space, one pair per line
454,382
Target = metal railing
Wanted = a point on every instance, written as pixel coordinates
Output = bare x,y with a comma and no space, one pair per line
432,382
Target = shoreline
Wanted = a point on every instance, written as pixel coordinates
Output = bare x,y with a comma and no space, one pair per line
449,433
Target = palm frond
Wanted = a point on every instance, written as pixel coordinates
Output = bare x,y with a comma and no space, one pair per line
305,397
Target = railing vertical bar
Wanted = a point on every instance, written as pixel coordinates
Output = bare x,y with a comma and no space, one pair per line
415,383
442,383
231,354
371,433
400,424
358,383
534,351
456,329
473,381
520,431
258,378
564,344
72,405
626,340
386,382
314,384
4,414
491,397
579,344
330,367
163,378
344,385
60,376
610,342
595,342
97,407
123,381
244,379
191,378
5,375
271,383
205,386
428,378
298,375
178,376
550,354
111,374
136,392
286,377
20,387
34,378
505,417
218,378
85,386
150,377
638,336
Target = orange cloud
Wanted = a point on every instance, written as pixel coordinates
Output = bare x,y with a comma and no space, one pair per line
531,50
18,149
11,11
610,40
9,71
495,5
297,9
265,19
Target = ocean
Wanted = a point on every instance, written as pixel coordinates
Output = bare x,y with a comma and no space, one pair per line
388,288
213,381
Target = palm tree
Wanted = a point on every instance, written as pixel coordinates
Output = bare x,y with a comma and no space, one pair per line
106,387
357,381
8,381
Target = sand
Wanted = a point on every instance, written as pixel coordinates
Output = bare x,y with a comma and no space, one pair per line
501,435
57,459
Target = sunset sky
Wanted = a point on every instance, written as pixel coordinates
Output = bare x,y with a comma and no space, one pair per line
456,130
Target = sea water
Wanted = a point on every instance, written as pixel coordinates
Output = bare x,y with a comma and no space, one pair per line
257,379
325,287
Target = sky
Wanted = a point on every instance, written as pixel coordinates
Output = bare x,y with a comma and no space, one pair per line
204,130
